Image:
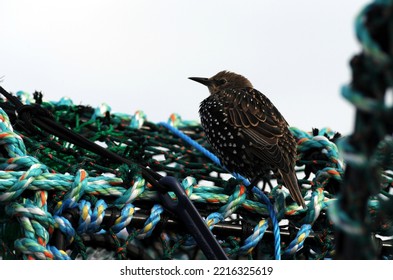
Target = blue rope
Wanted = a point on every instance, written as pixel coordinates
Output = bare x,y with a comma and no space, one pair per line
262,197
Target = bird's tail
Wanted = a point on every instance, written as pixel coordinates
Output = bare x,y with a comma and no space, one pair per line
290,181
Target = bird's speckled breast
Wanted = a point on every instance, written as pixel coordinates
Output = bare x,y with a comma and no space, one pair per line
225,139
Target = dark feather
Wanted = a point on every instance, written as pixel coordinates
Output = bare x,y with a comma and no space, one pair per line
265,129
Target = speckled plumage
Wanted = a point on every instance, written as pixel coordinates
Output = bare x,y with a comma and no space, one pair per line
246,131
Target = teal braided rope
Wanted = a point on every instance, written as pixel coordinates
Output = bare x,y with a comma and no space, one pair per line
132,193
84,217
306,142
175,120
34,230
110,186
102,185
252,241
65,227
234,201
323,176
5,124
30,211
316,206
18,163
59,254
64,101
34,222
32,250
101,111
76,192
41,199
125,218
213,219
137,120
11,141
189,183
208,189
98,215
298,242
151,222
255,190
90,221
318,201
23,182
209,197
25,97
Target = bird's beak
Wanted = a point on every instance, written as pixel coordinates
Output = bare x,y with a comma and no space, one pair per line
203,81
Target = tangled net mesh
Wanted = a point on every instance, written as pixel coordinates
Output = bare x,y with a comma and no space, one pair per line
50,187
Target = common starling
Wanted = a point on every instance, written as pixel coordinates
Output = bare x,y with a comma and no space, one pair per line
246,131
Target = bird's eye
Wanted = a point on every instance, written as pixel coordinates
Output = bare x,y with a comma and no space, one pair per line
221,82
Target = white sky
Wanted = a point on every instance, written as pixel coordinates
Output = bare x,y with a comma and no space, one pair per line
138,54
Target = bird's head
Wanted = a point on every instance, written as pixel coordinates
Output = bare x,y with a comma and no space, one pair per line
223,80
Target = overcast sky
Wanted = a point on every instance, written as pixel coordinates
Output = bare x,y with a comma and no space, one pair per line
138,54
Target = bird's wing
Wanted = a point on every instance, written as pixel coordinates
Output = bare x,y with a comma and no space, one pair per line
261,124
